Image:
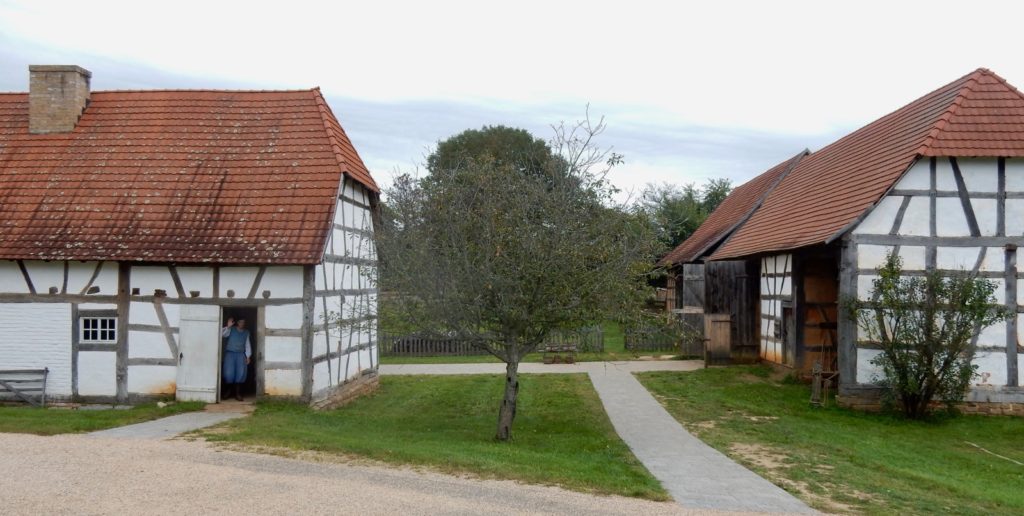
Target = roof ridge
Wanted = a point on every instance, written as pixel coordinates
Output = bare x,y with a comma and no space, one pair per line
940,124
325,112
794,161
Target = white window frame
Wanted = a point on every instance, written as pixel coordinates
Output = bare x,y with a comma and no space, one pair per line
110,331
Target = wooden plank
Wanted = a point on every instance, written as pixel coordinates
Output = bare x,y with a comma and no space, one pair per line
308,288
124,277
28,279
847,325
92,279
176,279
256,282
965,198
1001,197
1012,378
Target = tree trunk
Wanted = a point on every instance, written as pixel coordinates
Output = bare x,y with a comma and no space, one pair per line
507,413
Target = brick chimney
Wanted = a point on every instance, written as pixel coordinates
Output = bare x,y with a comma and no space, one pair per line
57,96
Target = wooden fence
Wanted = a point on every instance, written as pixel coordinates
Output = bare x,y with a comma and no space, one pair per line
677,338
411,345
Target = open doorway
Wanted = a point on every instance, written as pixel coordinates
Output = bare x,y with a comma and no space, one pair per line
250,387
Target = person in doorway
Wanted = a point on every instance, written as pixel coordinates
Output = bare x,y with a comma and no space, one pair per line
237,354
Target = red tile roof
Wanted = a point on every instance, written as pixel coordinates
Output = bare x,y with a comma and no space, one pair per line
177,176
978,115
733,211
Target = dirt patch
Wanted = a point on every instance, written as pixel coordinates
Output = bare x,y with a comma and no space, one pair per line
774,462
705,425
760,419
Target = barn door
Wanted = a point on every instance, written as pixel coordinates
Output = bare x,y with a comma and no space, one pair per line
718,328
198,353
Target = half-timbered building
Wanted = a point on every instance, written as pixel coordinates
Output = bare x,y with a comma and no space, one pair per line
939,181
134,223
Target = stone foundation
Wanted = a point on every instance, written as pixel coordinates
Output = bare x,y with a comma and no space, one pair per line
343,394
872,403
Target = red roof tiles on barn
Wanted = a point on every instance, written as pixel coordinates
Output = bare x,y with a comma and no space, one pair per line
978,115
177,176
734,210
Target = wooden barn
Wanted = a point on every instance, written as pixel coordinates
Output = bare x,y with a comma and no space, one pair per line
133,224
940,181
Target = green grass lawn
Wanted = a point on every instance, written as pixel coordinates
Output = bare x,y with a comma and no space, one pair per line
845,461
51,421
447,423
614,350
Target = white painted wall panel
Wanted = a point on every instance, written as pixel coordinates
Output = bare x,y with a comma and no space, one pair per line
985,213
1015,175
980,174
321,377
78,276
865,286
38,335
97,306
150,278
955,258
283,282
282,349
995,260
238,279
991,368
319,342
197,278
142,313
994,335
11,278
1015,217
917,178
318,277
915,219
283,383
107,280
1000,292
145,344
97,373
45,274
866,371
1020,299
944,180
152,379
284,316
950,219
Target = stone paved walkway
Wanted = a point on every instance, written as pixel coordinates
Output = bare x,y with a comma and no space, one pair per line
170,426
697,476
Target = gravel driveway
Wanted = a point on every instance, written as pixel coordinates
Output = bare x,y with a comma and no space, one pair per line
73,474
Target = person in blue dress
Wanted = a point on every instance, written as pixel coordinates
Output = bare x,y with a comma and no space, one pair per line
237,354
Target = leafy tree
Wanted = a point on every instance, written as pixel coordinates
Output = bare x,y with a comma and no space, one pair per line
504,146
502,259
925,326
676,211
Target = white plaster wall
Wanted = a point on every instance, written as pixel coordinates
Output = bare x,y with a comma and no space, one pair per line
282,282
97,373
956,258
944,180
45,274
915,219
985,213
866,371
950,219
321,377
152,379
980,174
1014,216
238,279
284,316
79,274
1015,175
282,349
38,335
149,278
916,178
873,256
11,279
196,278
142,313
283,382
865,286
879,221
97,306
995,260
146,344
994,335
991,368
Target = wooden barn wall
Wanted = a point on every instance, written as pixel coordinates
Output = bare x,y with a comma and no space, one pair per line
690,295
946,214
731,287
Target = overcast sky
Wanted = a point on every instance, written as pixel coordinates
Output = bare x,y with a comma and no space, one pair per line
689,90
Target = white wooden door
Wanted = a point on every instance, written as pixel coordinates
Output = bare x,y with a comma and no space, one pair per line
198,353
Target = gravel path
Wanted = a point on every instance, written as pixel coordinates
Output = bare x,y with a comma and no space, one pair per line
90,475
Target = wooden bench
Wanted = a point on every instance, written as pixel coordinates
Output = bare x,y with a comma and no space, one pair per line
560,354
28,385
